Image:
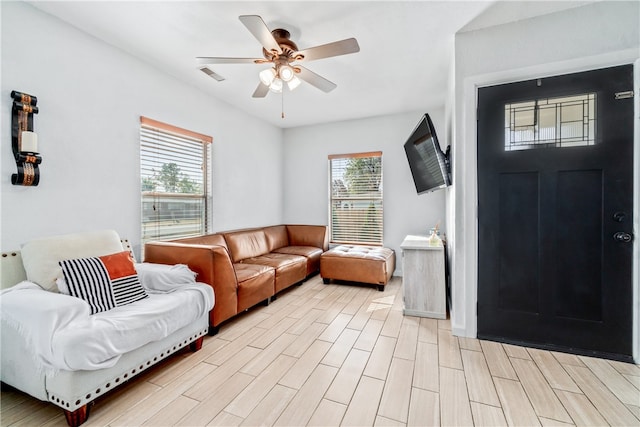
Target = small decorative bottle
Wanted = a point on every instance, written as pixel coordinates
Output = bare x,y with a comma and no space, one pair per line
434,239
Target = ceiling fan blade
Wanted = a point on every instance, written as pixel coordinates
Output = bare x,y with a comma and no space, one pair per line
328,50
261,91
206,60
260,31
316,80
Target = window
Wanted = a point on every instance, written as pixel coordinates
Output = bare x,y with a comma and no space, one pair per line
356,198
174,174
556,122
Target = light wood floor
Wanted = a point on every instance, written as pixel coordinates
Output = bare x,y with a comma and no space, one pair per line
346,355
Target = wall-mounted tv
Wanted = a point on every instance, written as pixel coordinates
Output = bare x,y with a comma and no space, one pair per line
429,165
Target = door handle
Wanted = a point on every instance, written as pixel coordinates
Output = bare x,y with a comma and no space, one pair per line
621,236
619,216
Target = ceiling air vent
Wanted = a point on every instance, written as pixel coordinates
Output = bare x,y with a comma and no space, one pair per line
212,74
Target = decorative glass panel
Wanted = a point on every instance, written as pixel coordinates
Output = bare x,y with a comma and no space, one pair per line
567,121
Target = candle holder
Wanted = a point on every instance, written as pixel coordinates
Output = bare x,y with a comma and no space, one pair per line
24,141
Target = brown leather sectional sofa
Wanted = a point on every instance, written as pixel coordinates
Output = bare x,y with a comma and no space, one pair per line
246,267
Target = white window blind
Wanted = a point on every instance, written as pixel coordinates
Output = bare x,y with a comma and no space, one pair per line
356,206
174,174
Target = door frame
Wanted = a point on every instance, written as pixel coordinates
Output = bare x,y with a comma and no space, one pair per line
465,196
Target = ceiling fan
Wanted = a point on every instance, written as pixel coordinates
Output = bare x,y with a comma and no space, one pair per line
279,50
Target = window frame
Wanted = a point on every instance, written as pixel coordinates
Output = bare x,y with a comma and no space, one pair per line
187,137
335,240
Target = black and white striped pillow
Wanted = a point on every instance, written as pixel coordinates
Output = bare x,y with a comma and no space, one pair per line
103,282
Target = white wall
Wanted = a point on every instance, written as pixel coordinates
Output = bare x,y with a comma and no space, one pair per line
306,179
593,36
91,96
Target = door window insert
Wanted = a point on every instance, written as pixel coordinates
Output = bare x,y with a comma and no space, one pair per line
567,121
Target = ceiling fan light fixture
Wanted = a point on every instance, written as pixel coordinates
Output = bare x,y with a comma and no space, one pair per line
267,76
276,85
294,83
281,53
286,73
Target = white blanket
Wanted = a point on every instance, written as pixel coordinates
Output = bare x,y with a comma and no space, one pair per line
63,335
164,278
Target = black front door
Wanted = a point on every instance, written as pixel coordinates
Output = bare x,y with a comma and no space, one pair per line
555,195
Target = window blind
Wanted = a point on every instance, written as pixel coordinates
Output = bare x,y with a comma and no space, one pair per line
174,174
356,206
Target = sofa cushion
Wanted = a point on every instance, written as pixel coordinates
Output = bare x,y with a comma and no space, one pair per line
249,271
277,237
290,269
311,253
246,244
308,235
255,284
41,257
103,282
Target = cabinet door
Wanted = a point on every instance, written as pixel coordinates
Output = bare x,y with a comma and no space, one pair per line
424,283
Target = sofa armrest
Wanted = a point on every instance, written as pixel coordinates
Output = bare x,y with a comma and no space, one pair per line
309,235
212,265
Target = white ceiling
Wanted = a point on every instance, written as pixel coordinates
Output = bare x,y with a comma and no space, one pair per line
403,63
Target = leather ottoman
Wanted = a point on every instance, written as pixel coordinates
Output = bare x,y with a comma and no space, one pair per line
364,264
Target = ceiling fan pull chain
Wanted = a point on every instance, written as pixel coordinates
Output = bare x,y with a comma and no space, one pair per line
282,105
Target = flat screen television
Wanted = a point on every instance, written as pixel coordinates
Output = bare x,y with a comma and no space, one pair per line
429,165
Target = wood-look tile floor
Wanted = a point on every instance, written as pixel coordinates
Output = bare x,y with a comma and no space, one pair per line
326,355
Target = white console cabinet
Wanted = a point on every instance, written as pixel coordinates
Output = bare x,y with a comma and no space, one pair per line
423,278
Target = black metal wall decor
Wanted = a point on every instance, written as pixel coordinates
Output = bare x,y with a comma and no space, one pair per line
24,141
